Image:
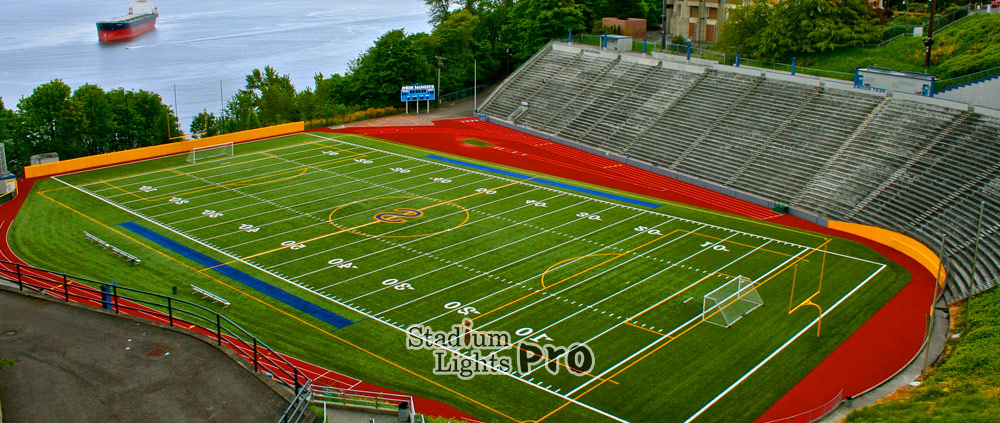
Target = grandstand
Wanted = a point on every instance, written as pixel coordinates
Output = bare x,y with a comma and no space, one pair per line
910,164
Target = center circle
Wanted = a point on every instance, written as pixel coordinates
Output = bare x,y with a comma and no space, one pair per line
398,217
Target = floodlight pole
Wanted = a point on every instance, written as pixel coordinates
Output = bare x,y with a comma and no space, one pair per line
475,86
440,60
929,39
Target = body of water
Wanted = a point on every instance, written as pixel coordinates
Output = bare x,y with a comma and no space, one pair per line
203,47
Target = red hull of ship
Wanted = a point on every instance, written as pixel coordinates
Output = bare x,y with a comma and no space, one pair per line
125,33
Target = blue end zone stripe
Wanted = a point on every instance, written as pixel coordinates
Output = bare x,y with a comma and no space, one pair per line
547,182
250,281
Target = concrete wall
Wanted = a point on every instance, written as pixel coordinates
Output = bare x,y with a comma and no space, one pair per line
142,153
986,93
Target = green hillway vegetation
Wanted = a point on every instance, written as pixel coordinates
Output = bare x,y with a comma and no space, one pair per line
965,387
969,46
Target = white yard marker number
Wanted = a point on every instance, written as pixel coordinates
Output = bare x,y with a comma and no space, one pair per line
212,213
647,230
716,248
341,263
292,245
536,203
394,283
248,228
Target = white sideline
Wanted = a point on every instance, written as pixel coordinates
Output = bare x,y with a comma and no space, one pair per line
652,306
468,172
627,359
782,347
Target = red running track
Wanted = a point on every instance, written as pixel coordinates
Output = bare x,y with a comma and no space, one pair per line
278,365
874,353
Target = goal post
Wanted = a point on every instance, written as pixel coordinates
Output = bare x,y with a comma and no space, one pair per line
207,152
730,302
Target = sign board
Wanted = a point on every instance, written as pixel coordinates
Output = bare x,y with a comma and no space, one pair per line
44,158
417,92
883,80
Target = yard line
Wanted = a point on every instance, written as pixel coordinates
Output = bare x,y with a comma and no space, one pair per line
694,222
210,191
238,171
477,255
609,270
282,189
231,221
629,319
199,164
540,252
679,327
500,267
321,221
398,244
306,289
213,190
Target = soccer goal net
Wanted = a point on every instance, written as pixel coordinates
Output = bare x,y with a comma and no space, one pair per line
203,153
730,302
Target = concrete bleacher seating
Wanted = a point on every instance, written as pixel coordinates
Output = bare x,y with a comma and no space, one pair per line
918,166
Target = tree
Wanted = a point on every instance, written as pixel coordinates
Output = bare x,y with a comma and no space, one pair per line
205,125
12,142
275,96
455,40
97,122
395,60
533,23
777,31
49,119
742,30
439,10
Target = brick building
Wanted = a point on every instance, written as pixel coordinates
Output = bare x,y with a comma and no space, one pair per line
632,27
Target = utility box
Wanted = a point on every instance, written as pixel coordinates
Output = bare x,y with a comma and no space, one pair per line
888,80
619,43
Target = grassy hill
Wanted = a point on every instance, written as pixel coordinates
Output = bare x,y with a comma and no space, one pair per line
966,386
970,45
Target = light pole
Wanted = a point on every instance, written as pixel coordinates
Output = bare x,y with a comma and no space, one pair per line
440,60
475,86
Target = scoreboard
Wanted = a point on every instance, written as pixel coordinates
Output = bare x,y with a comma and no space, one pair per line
417,93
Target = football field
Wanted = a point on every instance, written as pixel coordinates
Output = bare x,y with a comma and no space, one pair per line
404,240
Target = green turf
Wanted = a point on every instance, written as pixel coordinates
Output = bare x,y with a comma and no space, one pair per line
477,143
629,281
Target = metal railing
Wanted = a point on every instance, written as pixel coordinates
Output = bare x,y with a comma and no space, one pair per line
814,414
350,398
945,84
468,92
169,310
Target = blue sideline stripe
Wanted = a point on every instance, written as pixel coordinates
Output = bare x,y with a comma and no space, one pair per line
250,281
547,182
